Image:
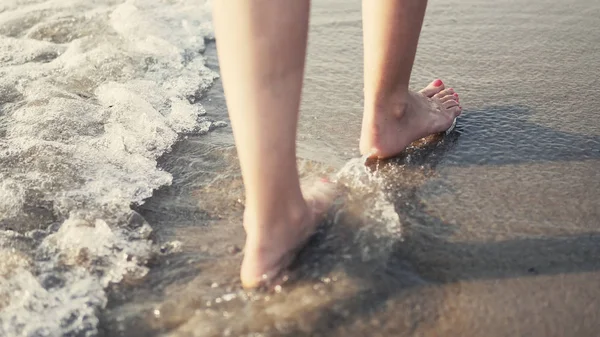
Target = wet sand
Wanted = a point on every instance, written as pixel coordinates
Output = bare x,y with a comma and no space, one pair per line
498,223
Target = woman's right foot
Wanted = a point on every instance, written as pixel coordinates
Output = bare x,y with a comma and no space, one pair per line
272,243
390,127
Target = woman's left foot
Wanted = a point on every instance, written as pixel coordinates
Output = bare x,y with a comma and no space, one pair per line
406,117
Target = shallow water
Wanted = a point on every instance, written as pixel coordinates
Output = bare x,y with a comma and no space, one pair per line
491,231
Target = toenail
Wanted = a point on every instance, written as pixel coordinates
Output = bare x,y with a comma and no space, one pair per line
324,180
455,94
437,83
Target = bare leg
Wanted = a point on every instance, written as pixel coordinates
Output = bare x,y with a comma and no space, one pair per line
262,46
395,116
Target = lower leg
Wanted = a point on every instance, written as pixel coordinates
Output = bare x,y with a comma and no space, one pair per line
262,46
393,115
391,32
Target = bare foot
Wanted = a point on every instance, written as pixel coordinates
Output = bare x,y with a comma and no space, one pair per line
272,248
392,126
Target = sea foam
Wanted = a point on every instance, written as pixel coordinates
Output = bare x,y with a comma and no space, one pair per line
92,93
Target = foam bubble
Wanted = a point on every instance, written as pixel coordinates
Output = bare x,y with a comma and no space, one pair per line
91,94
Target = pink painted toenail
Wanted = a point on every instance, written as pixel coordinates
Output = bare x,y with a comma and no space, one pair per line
324,180
437,83
455,94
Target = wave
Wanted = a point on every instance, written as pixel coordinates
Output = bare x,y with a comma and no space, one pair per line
92,93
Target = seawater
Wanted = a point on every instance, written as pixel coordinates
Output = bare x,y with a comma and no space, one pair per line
91,94
492,231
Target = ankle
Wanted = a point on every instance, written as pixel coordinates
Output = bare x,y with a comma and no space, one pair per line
382,106
264,225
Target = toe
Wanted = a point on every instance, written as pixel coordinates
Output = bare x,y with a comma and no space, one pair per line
455,111
448,97
433,88
449,103
444,93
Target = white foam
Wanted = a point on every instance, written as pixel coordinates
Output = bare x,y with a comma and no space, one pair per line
13,197
92,93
